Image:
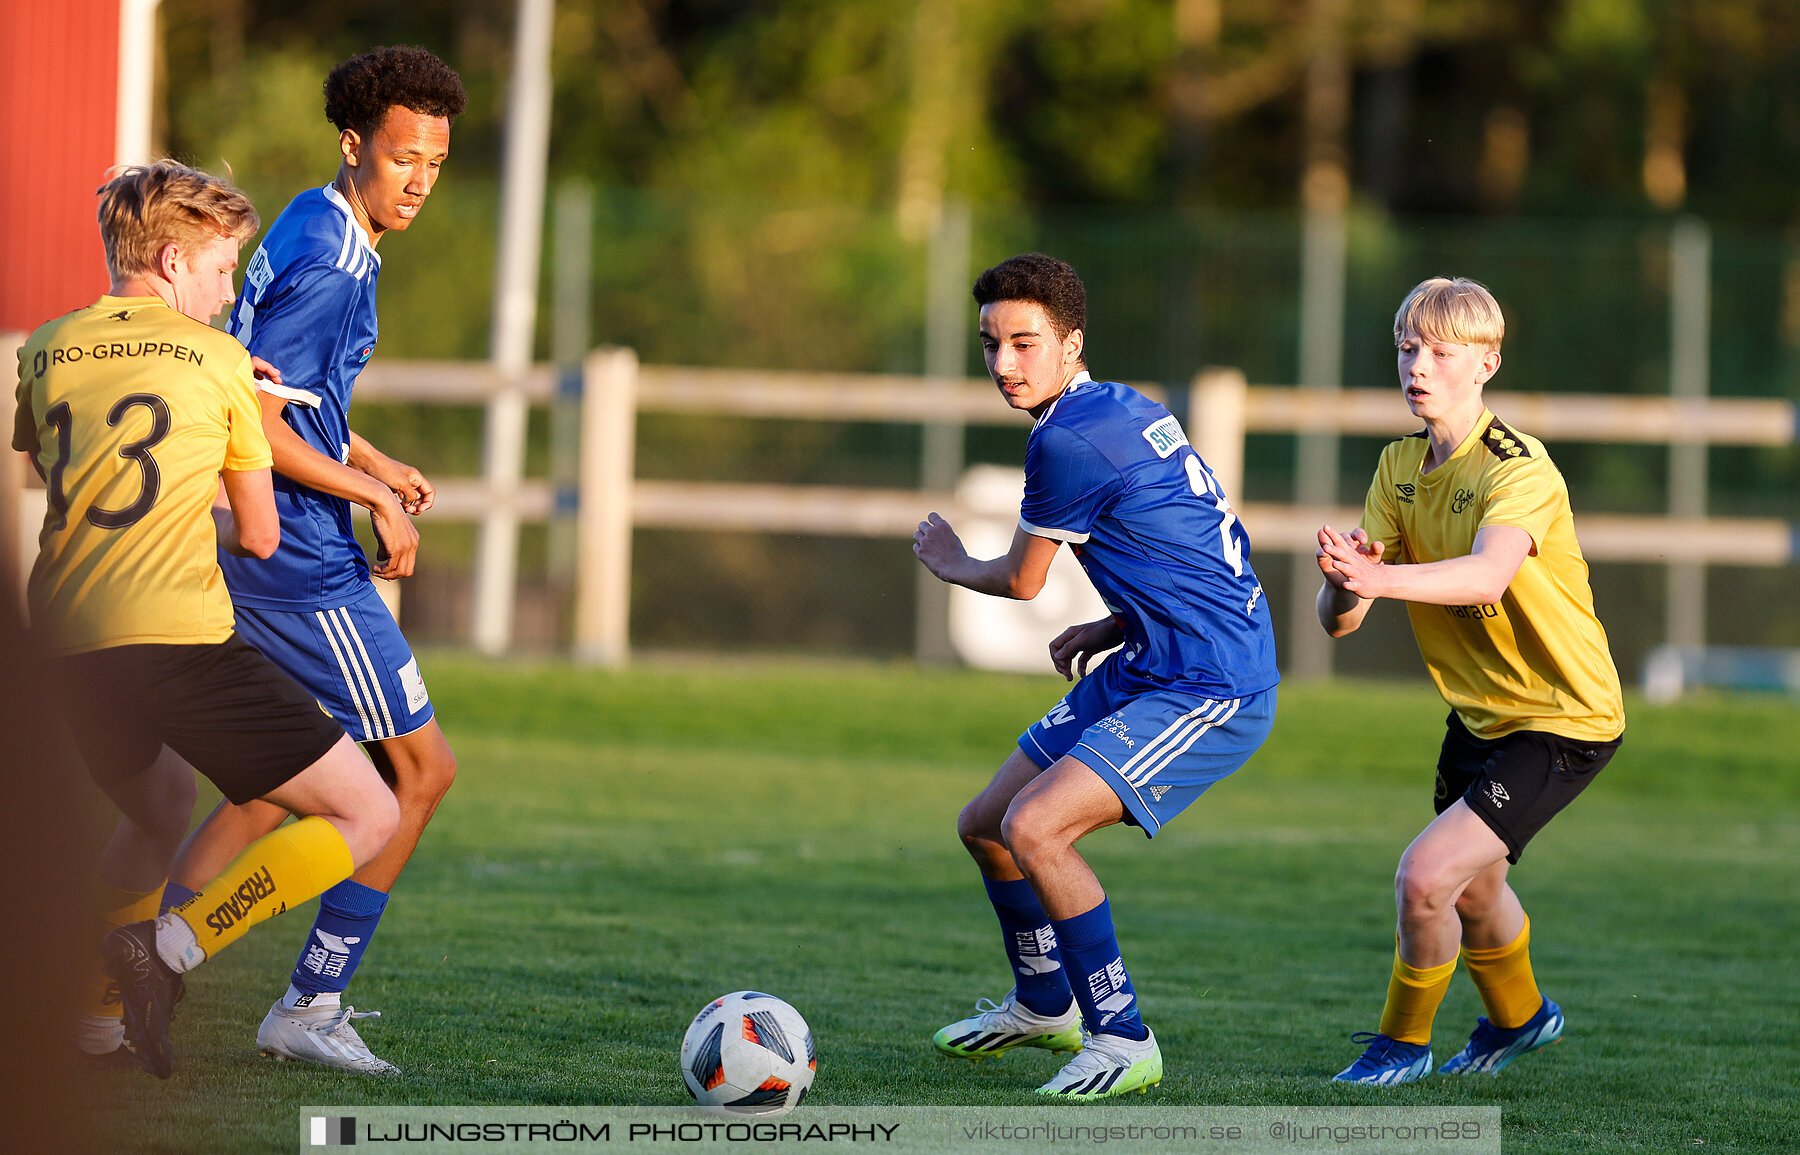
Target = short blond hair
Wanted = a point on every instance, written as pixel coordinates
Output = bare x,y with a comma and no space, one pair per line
146,206
1451,309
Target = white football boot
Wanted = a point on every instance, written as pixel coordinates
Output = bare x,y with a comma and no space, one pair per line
994,1030
322,1035
1108,1065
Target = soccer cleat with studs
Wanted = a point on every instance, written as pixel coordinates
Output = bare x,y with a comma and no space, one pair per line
322,1035
148,991
995,1030
1108,1065
1386,1062
1491,1048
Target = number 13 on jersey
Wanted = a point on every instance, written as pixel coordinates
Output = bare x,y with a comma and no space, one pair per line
59,418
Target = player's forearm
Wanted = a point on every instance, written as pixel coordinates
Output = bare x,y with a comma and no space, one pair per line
1018,574
1458,581
298,461
244,514
997,577
1340,611
225,526
365,458
24,438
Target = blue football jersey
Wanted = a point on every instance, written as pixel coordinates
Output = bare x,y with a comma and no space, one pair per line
1111,473
308,308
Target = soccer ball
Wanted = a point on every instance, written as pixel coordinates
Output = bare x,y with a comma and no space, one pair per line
750,1054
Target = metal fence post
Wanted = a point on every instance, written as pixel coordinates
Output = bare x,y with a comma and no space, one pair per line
604,515
1690,325
947,308
569,342
514,322
1323,263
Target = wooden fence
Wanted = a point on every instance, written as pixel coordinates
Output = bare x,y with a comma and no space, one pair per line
1221,409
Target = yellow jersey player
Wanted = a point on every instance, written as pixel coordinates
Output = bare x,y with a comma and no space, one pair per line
138,414
1468,522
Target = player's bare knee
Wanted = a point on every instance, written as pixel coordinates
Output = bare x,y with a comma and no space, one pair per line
167,824
1030,835
976,824
990,854
369,826
435,776
370,803
420,768
1420,891
157,806
992,857
384,819
175,814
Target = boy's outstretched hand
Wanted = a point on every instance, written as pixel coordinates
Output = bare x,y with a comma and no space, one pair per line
1350,561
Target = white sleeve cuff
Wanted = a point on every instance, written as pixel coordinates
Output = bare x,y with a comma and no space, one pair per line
1053,534
304,397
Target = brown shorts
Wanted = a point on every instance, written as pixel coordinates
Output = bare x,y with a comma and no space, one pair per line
225,708
1516,783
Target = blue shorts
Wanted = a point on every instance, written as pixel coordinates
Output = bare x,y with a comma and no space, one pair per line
352,659
1157,749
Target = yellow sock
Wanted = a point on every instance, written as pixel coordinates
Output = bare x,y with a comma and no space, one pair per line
1412,999
1503,976
284,868
116,908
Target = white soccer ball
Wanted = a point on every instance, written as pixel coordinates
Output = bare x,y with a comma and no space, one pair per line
750,1054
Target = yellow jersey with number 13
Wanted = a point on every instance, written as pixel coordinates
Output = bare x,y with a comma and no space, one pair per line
131,410
1537,659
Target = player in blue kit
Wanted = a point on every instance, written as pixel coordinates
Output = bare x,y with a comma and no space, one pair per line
1186,701
308,310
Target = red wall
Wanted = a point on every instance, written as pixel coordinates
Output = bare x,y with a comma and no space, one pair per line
59,78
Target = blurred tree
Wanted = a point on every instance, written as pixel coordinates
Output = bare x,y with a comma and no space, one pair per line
1456,105
770,168
768,172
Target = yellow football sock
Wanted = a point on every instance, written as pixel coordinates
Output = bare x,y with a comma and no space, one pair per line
1412,999
1503,976
281,869
116,908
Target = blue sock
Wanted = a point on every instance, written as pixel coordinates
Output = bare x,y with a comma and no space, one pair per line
1091,952
1038,973
174,894
348,913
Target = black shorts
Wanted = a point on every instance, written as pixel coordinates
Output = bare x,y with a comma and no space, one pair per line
225,708
1516,783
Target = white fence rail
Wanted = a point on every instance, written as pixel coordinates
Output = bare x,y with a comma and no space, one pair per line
1222,409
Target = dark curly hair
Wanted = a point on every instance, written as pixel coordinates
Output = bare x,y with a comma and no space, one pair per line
359,92
1042,280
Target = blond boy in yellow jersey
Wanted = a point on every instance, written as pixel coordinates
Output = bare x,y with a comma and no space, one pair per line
136,413
1468,522
137,563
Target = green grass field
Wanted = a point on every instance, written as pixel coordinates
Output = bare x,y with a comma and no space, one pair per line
619,848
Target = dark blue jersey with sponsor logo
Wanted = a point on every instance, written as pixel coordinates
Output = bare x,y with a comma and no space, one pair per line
1111,473
308,308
